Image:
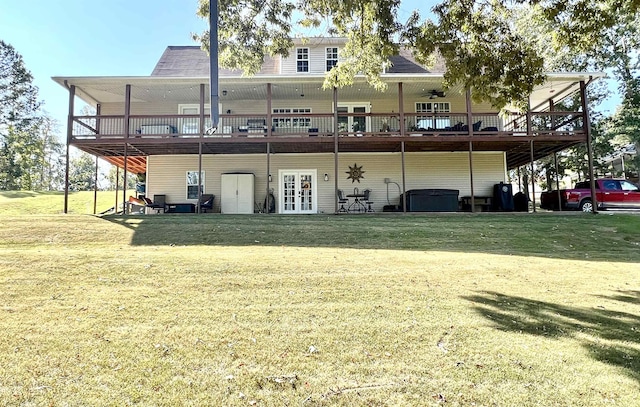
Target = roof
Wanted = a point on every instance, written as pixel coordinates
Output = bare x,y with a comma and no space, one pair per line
192,61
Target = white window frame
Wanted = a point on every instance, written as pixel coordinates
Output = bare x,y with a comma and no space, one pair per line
302,56
434,122
331,56
192,183
291,122
190,125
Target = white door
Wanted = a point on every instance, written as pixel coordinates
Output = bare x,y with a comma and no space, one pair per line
353,124
298,191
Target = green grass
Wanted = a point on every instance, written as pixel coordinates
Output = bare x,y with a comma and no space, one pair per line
417,310
34,203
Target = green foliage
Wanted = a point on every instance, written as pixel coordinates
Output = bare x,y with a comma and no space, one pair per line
30,153
489,47
82,173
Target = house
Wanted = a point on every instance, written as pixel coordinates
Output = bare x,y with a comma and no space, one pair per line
305,142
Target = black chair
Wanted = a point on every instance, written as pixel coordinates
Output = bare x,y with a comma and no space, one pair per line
159,203
206,202
367,200
342,201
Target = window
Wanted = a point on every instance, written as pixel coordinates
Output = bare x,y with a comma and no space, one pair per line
290,120
433,122
303,59
627,186
192,184
332,57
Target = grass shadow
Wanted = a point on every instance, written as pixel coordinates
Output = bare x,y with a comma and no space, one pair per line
571,237
609,336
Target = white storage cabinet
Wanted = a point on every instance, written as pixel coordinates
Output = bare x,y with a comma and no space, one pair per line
237,193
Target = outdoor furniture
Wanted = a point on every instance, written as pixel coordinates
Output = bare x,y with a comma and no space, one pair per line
357,205
181,208
158,204
431,200
367,200
206,202
342,201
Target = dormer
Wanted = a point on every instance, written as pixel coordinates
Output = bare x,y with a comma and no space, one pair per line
312,56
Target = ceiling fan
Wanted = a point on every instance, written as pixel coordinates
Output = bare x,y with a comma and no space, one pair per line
434,94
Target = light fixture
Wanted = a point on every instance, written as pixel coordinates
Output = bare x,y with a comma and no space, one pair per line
224,93
326,176
270,179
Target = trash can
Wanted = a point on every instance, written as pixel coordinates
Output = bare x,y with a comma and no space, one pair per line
502,197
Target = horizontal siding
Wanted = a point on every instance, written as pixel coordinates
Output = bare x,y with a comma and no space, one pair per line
167,174
317,60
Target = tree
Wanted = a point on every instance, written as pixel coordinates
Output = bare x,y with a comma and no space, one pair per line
82,173
478,40
30,152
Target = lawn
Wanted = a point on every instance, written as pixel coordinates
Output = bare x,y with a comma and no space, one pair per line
269,310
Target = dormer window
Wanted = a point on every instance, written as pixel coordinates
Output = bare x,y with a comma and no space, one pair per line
332,57
302,59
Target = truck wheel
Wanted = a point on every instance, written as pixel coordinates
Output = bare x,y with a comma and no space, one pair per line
586,206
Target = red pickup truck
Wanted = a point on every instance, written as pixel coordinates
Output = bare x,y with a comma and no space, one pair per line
610,193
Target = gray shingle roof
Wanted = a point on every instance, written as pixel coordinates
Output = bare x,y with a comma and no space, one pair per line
192,61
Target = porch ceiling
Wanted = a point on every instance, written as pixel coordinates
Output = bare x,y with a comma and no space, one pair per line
187,90
517,150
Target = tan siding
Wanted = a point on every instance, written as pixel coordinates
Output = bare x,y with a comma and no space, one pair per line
167,174
317,60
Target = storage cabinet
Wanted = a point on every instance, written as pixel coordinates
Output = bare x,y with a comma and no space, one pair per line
237,193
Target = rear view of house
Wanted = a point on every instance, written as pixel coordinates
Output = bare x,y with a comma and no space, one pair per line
281,131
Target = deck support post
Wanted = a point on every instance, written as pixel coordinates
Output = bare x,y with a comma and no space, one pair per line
552,108
533,178
555,161
125,209
115,206
72,95
404,184
201,110
530,136
95,182
269,133
335,148
199,177
587,130
402,134
127,113
267,202
401,109
473,203
470,129
95,187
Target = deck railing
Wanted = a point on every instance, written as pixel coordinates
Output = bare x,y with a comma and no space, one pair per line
322,124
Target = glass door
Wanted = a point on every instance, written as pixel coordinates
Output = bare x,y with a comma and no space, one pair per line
349,123
298,191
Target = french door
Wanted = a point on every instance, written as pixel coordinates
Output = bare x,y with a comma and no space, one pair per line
298,191
349,123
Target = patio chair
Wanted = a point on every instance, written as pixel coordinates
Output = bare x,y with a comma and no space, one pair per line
159,203
206,202
342,201
367,200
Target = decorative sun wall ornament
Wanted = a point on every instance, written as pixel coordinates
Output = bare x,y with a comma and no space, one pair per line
355,173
